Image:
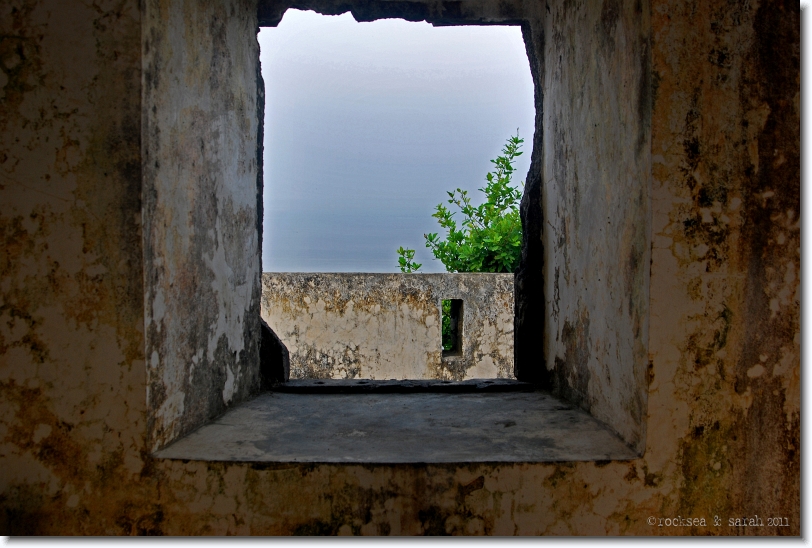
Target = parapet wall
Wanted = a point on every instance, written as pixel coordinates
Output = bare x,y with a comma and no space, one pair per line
388,326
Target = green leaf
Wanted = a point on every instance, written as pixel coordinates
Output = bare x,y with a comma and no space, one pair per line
489,236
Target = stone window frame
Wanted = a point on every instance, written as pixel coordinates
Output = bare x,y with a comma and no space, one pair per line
203,104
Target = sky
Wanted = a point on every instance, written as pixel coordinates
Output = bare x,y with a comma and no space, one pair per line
367,125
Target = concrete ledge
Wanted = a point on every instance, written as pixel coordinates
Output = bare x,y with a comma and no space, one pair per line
402,428
366,386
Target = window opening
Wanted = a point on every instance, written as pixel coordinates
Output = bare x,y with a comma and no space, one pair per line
452,327
326,447
367,127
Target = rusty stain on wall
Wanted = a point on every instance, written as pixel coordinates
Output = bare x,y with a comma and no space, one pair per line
723,347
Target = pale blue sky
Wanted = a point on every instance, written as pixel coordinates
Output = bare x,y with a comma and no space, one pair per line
368,124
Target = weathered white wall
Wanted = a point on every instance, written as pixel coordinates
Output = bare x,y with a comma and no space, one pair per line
200,211
596,202
387,326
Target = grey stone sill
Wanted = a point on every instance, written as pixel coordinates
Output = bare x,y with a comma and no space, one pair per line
369,386
402,428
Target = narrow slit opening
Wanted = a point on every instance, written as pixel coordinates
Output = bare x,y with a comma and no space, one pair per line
452,327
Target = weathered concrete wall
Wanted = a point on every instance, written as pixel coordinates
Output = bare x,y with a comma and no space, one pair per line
723,419
200,211
72,370
596,205
725,345
387,326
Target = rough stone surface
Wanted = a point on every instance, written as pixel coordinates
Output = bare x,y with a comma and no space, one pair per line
200,211
723,415
402,428
388,326
530,308
596,203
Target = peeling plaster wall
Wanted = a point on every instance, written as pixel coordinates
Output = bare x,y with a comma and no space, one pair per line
596,205
72,392
387,326
200,211
723,419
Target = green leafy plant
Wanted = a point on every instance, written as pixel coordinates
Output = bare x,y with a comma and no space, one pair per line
405,260
489,238
448,336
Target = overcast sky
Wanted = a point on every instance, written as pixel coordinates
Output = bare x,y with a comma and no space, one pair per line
367,125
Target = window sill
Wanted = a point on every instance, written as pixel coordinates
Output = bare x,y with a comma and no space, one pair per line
369,386
397,428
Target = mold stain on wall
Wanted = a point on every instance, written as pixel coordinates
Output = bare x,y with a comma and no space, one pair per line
201,240
723,359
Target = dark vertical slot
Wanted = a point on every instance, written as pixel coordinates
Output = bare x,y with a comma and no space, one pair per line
452,327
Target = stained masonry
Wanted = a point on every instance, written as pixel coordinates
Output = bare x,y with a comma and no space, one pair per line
387,326
708,92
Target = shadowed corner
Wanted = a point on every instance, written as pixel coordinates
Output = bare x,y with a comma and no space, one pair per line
274,358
